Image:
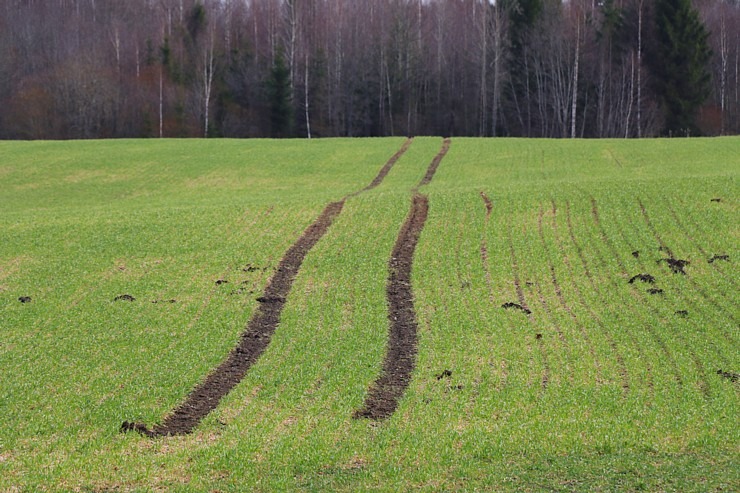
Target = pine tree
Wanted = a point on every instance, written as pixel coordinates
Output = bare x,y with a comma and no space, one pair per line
680,64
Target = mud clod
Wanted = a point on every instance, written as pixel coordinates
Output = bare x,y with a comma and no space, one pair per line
714,258
655,291
221,281
643,278
516,306
137,427
716,199
636,254
731,376
124,297
677,265
538,336
164,301
682,313
25,299
444,374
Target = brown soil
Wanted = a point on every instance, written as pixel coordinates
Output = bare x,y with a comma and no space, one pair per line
124,297
484,243
444,374
733,377
258,333
206,396
516,306
643,278
676,265
489,204
387,167
655,291
435,164
714,258
25,299
400,359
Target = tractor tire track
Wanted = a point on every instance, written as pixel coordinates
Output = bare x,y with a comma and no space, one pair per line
716,307
489,279
622,367
637,295
383,396
561,298
484,244
545,376
260,328
633,340
400,358
715,265
664,247
703,382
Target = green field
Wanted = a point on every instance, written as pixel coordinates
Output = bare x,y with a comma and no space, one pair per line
602,387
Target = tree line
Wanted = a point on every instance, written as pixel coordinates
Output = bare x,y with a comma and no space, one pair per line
314,68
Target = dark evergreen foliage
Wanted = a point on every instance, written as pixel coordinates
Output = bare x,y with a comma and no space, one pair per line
679,61
279,91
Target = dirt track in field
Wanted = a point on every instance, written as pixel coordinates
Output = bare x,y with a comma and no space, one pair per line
400,358
255,339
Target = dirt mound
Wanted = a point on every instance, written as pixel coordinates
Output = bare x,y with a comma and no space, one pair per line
516,306
124,297
655,291
682,313
716,199
677,265
221,281
636,254
25,299
643,278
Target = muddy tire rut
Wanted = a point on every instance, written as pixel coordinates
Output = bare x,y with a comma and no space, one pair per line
400,358
206,396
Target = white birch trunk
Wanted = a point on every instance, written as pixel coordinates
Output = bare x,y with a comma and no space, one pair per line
574,103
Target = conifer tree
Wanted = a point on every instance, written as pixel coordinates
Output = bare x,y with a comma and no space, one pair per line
680,64
278,90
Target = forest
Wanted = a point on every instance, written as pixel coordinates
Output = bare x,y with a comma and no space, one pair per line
81,69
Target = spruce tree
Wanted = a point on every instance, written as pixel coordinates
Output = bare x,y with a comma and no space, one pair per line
680,64
278,89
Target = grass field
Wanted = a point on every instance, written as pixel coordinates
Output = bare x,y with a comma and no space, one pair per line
587,382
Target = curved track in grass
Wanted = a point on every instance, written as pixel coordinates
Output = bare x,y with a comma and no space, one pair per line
255,339
400,359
